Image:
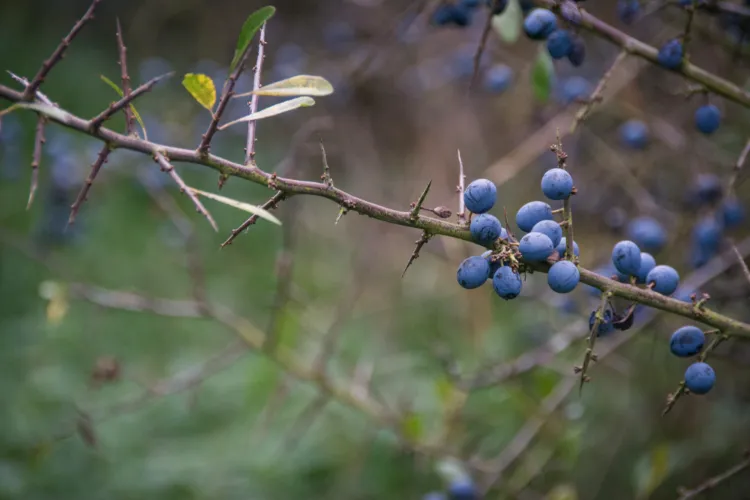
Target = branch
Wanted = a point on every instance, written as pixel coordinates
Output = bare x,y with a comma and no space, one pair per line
37,158
633,46
58,54
272,203
252,125
129,118
113,108
596,95
95,167
350,202
714,481
461,187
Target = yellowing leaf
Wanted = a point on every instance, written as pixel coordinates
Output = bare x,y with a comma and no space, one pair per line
276,109
202,88
132,107
249,28
260,212
295,86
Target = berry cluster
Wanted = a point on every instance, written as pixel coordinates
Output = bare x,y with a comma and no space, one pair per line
541,24
686,342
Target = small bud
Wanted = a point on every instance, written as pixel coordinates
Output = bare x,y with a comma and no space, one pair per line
442,212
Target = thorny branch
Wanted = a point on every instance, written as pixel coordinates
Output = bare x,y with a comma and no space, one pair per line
129,116
252,124
714,481
37,158
101,159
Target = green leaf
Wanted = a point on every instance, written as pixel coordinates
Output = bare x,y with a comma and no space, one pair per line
299,85
276,109
251,26
542,75
508,24
412,427
132,107
202,88
260,212
652,470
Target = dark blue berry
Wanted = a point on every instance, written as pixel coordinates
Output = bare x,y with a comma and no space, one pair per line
563,276
664,279
626,257
706,189
506,283
574,89
634,134
707,119
550,228
647,264
539,24
700,378
559,44
473,272
485,229
687,341
531,213
480,196
571,13
462,489
707,234
557,184
732,212
562,245
670,54
647,233
605,324
577,52
535,247
448,14
498,78
627,10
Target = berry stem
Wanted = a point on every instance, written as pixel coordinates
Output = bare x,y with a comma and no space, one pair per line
589,354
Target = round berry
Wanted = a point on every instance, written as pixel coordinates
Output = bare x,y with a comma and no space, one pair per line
559,44
648,233
571,13
485,229
557,184
562,246
577,52
670,54
470,4
539,24
687,341
707,119
706,189
563,276
700,378
605,324
627,10
473,272
498,78
664,279
462,489
480,196
551,228
647,264
507,283
732,212
626,256
447,14
531,213
616,218
574,89
634,134
535,247
707,233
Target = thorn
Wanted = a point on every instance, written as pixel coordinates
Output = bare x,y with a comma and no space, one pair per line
415,255
418,205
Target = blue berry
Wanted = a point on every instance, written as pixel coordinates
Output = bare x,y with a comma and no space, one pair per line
605,325
700,378
732,212
473,272
647,264
539,24
480,196
507,283
615,218
577,52
563,276
648,233
687,341
627,10
706,189
571,13
550,228
498,78
485,229
462,489
559,44
562,245
574,89
670,54
498,6
699,256
557,184
707,234
451,14
707,119
470,4
535,247
664,279
531,213
626,256
435,495
634,134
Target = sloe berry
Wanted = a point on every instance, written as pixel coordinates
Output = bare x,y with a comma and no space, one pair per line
605,325
559,44
535,247
563,276
473,272
557,184
732,212
480,196
539,24
634,134
647,264
562,245
626,256
531,213
627,10
577,52
550,228
707,119
485,229
687,341
670,54
700,378
462,489
648,233
707,233
498,78
665,279
507,283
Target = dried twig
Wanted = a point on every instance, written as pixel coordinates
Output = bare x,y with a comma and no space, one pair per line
252,125
326,177
461,188
714,481
596,95
422,241
129,117
167,167
270,204
101,159
37,158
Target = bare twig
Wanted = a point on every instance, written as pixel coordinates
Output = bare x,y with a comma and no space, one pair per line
101,159
461,188
37,158
589,355
482,44
167,167
422,241
252,125
690,8
270,204
738,166
129,117
58,54
596,95
39,95
714,481
326,177
567,210
116,106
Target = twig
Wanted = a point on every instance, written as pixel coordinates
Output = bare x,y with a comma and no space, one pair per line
252,126
129,118
39,95
741,261
101,159
714,481
58,54
482,44
37,158
690,8
567,211
326,177
114,107
416,207
461,187
589,355
270,204
167,167
415,254
738,166
596,95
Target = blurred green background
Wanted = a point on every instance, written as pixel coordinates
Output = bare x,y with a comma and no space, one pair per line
103,402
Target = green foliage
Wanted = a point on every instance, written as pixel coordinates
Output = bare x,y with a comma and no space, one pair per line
250,27
542,75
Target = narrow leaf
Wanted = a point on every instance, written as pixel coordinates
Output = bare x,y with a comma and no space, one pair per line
202,88
508,24
132,107
260,212
299,85
542,75
251,26
276,109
